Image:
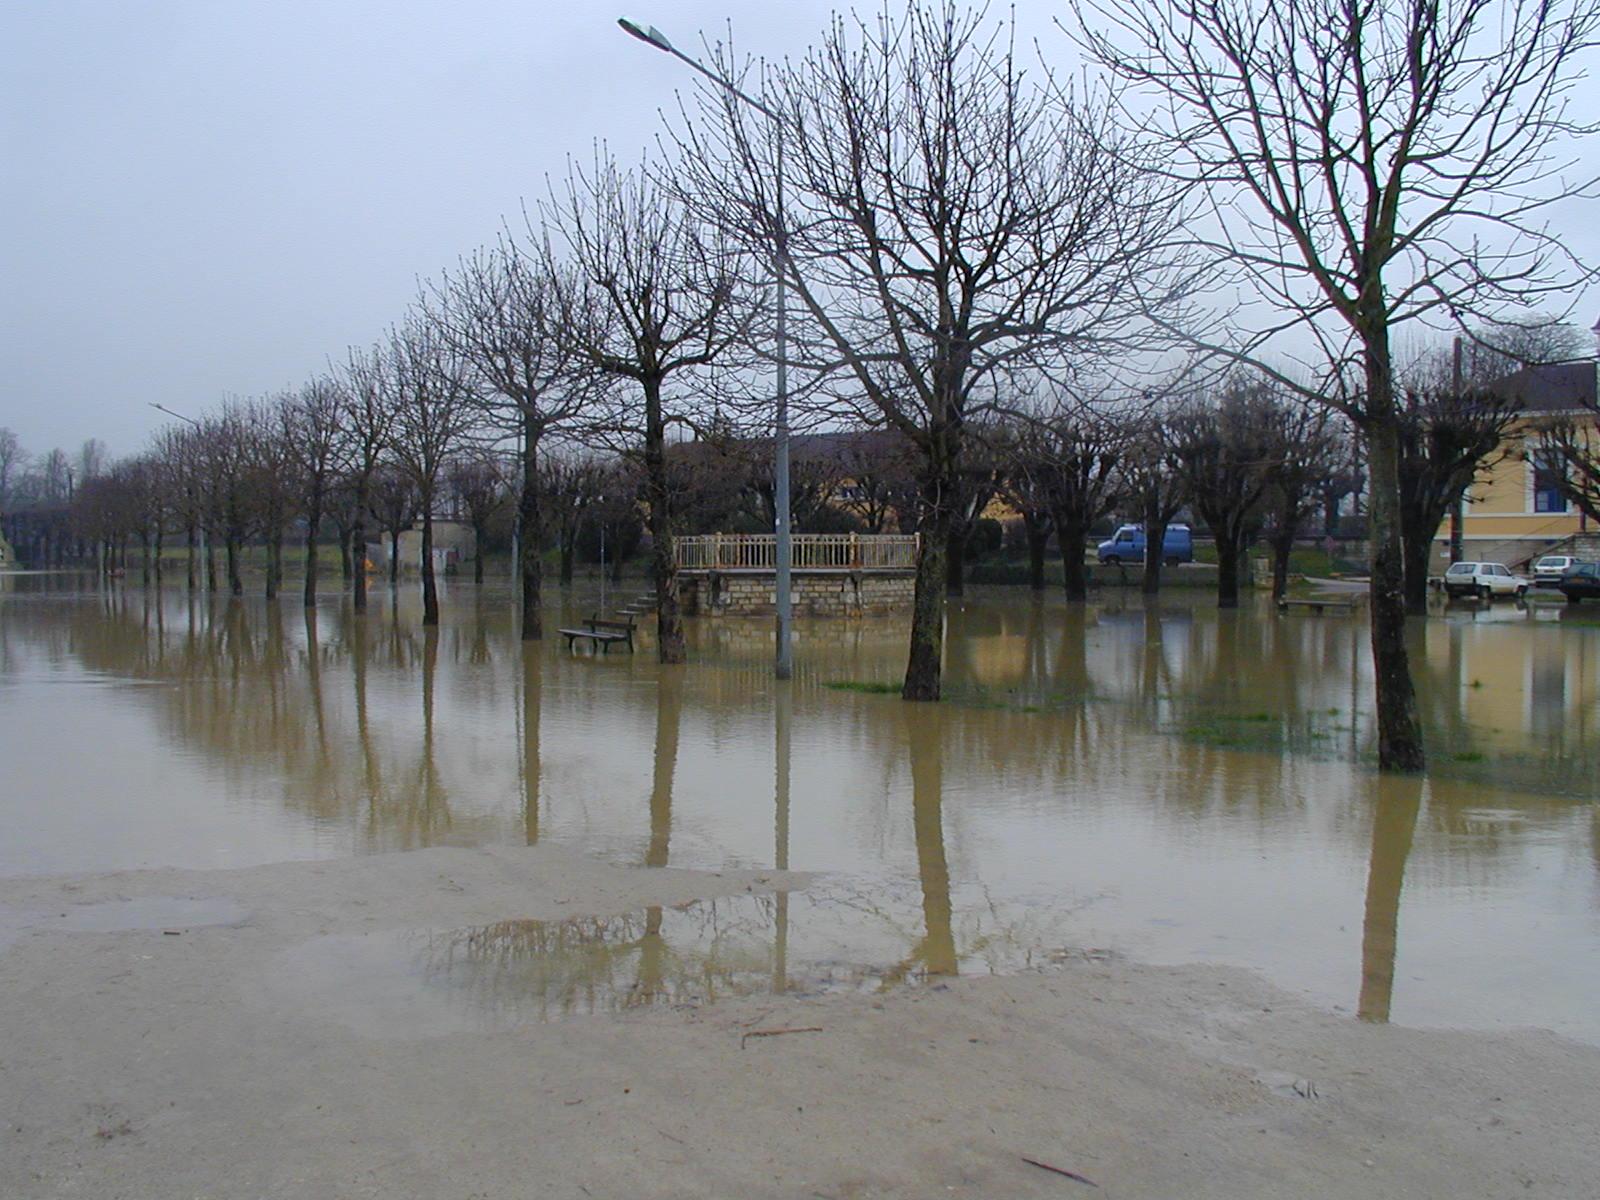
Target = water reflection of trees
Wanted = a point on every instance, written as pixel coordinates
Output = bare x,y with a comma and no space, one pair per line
363,722
255,701
694,954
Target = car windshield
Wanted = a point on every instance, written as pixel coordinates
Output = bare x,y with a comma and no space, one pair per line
1461,569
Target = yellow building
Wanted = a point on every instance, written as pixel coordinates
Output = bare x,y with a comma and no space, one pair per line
1516,511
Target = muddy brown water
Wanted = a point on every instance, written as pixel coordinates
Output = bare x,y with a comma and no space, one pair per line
1165,784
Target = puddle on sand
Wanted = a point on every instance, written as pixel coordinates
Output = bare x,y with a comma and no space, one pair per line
141,915
144,913
422,983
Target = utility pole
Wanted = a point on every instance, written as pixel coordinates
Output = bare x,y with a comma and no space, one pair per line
1458,509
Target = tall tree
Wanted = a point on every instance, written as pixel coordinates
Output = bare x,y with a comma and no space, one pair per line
573,482
11,460
1371,163
1155,487
1308,448
316,438
653,298
432,399
1227,447
942,220
368,418
1081,455
1021,446
477,482
499,311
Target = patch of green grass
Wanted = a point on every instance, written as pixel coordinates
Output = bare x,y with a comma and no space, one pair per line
864,686
1468,756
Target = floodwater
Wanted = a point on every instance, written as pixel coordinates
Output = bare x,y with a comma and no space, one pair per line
1166,784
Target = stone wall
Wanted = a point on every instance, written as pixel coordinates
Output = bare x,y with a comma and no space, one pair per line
816,593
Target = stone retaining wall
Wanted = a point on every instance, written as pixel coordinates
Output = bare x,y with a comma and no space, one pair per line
816,594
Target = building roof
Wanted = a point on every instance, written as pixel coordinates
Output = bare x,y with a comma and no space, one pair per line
1556,387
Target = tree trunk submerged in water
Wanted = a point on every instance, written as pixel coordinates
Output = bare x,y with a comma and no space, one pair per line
1399,730
1038,537
313,522
1155,546
430,586
670,647
1282,544
1075,575
529,568
925,662
1230,552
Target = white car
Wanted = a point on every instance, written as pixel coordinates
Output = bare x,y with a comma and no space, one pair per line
1484,580
1547,572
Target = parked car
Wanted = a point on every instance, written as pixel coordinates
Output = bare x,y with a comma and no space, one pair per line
1547,572
1484,580
1581,581
1127,545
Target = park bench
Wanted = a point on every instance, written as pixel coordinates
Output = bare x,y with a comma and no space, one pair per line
1317,604
601,632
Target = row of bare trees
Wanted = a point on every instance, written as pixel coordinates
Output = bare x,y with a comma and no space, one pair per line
952,224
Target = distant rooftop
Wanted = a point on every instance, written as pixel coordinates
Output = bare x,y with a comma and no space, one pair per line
1556,387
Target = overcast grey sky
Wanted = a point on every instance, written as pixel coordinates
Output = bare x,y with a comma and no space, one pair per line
205,197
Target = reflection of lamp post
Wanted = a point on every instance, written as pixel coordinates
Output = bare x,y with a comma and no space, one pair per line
784,664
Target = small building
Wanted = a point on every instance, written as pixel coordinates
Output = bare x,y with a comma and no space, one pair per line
454,545
1517,510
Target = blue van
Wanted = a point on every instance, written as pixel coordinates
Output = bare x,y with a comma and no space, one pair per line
1127,546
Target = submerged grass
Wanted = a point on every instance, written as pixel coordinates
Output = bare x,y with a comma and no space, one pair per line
867,687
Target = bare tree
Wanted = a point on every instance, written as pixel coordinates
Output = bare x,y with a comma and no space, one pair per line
225,471
1370,165
878,470
11,460
1155,488
1227,447
1024,487
316,439
368,418
654,297
1446,438
273,487
977,481
432,399
1308,449
943,220
392,501
1081,453
572,483
498,310
177,450
478,484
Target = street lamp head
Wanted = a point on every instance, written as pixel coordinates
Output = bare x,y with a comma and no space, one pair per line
646,33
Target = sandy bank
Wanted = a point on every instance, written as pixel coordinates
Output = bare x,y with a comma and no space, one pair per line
219,1061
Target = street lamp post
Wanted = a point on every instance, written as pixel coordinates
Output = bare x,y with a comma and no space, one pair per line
783,666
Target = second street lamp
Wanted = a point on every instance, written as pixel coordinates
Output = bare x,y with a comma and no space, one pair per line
783,666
